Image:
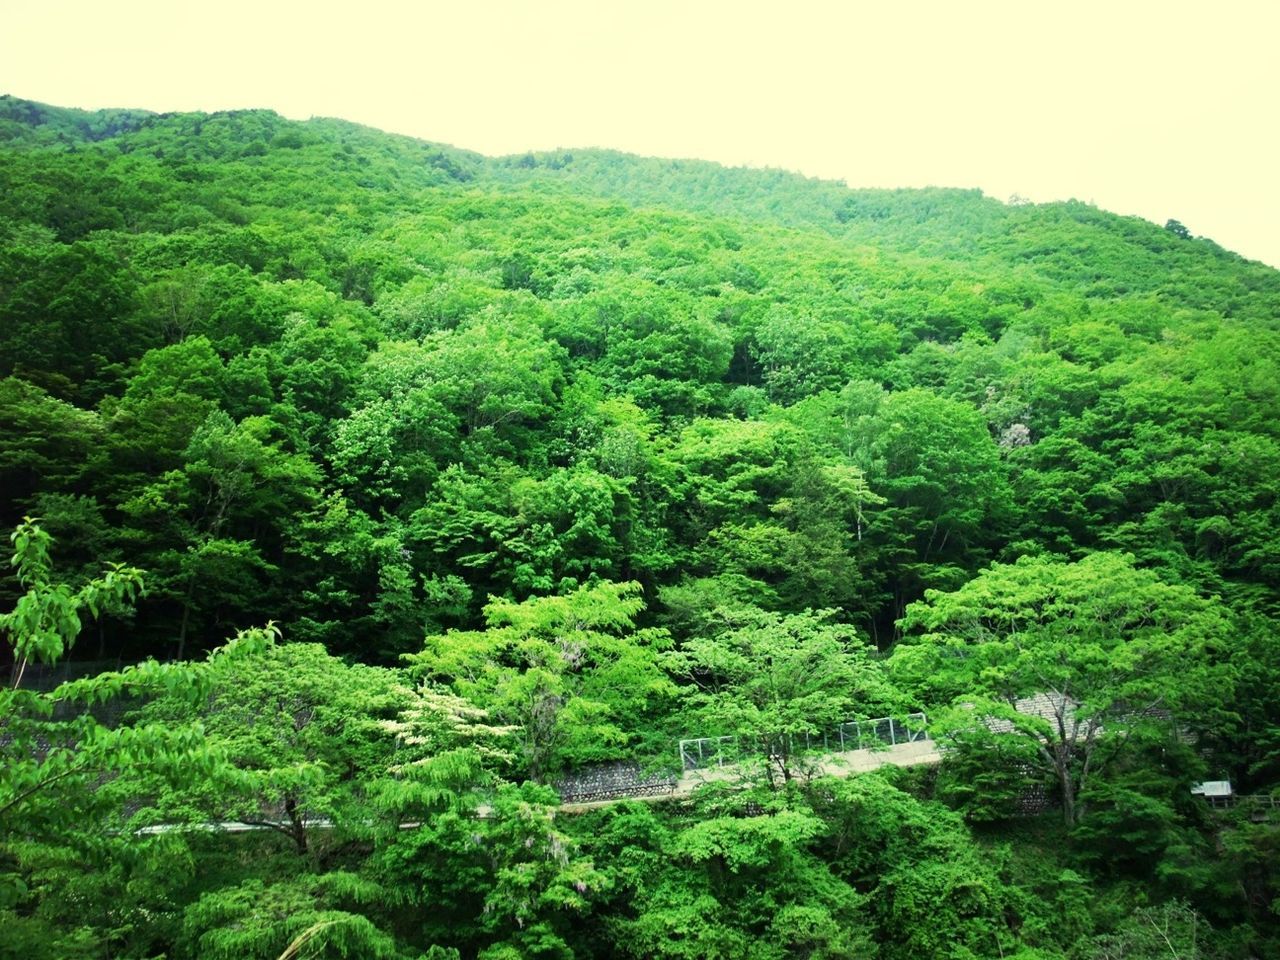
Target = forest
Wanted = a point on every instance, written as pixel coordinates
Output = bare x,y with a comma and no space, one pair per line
361,492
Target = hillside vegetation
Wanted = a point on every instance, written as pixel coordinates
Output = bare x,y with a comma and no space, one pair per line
429,477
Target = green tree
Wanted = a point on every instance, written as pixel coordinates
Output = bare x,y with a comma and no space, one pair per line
935,462
499,381
772,680
1168,930
1101,644
309,915
305,733
216,529
712,889
571,672
46,621
44,444
72,773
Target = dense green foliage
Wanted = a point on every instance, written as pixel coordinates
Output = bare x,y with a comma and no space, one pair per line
549,460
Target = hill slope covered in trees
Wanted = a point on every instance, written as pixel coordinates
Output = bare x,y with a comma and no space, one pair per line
553,459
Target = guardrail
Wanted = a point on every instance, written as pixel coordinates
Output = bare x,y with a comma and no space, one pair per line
1261,804
703,752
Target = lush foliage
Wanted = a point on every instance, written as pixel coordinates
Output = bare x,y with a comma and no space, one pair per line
540,462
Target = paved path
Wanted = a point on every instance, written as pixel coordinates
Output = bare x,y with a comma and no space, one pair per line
831,765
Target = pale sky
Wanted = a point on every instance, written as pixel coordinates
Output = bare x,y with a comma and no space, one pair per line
1161,109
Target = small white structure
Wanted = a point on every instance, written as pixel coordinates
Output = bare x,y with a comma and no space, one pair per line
1217,793
1212,788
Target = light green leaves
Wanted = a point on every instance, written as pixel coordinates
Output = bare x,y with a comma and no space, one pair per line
771,679
45,621
1068,656
569,671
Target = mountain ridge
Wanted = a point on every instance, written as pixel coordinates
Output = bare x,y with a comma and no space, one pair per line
701,186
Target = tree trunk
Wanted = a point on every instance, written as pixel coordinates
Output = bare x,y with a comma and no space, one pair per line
1062,762
297,829
182,629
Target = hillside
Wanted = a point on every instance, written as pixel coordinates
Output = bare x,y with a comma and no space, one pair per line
607,451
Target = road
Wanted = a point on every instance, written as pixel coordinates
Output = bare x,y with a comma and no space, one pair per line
844,764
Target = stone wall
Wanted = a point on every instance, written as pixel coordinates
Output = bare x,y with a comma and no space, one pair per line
614,781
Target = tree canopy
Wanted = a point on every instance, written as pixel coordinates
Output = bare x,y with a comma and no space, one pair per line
385,490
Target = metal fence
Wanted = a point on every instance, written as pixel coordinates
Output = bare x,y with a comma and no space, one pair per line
704,752
1260,804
